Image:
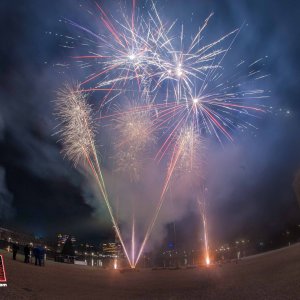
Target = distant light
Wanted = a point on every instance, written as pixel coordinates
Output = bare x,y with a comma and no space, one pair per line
195,100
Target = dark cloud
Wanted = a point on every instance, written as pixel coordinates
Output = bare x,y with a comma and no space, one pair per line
6,198
296,186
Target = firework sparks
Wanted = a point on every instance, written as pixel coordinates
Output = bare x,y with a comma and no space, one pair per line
186,88
135,137
78,139
77,126
133,243
190,160
187,144
202,205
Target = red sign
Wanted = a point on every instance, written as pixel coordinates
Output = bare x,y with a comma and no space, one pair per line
2,270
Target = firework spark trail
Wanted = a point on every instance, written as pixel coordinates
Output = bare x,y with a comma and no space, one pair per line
77,132
133,242
202,205
158,208
187,143
181,159
134,136
207,259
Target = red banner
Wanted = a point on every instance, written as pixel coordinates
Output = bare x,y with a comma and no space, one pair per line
2,270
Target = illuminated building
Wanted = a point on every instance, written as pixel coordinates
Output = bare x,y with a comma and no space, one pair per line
111,249
61,240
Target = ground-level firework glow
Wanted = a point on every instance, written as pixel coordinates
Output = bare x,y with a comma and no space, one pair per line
182,97
207,259
203,211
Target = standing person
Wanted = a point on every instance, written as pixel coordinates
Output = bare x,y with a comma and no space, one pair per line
37,256
42,256
31,253
26,254
15,248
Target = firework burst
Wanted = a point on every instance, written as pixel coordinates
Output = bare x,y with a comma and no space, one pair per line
135,136
191,153
135,129
77,126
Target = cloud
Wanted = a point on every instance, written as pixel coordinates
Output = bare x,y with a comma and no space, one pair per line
296,185
6,198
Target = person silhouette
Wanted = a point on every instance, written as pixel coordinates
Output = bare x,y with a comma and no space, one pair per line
26,254
15,248
37,255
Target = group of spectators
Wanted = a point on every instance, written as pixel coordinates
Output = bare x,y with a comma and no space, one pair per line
38,252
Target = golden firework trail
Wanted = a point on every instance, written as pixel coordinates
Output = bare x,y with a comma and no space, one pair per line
77,132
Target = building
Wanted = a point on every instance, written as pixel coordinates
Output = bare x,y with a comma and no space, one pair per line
61,240
111,249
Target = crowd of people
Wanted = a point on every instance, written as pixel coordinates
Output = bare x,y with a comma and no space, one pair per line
38,252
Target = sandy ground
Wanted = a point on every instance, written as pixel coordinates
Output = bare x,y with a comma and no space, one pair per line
274,275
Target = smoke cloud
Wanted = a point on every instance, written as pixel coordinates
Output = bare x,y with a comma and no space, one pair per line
6,198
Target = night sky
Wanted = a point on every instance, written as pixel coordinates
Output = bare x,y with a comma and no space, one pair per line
250,181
